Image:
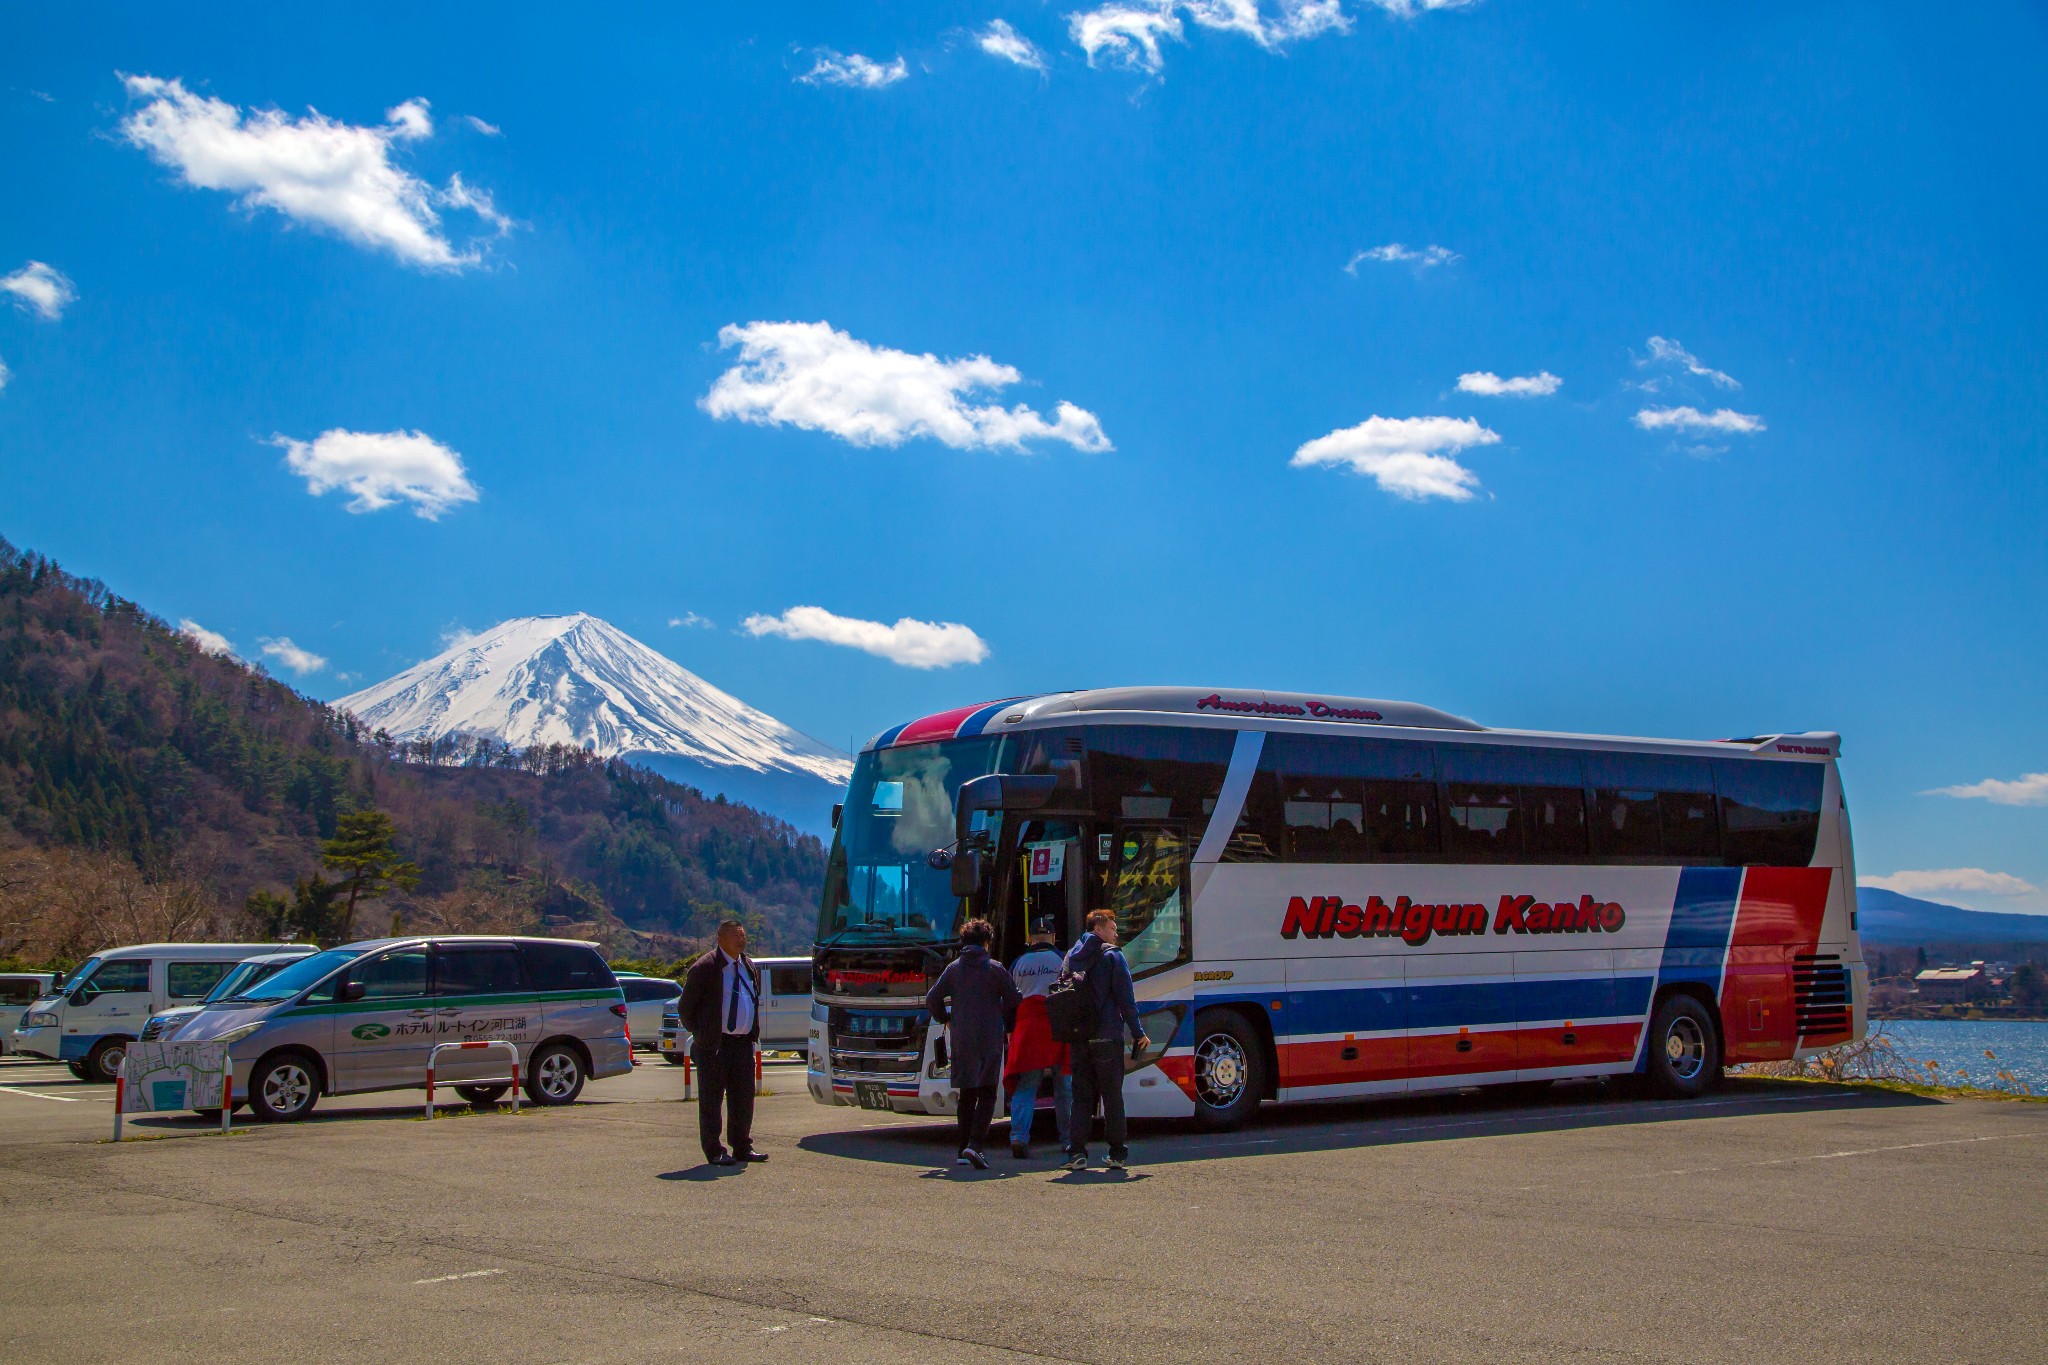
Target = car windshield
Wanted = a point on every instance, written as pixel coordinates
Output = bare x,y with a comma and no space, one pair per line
899,807
291,980
244,974
78,974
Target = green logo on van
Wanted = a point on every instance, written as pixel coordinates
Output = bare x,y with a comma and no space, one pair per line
369,1032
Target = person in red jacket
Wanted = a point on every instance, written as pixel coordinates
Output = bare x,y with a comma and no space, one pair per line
1033,1055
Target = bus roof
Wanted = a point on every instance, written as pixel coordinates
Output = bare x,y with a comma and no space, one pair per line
1243,709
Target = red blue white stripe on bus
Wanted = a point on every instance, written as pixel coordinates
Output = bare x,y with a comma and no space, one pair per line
960,723
1734,933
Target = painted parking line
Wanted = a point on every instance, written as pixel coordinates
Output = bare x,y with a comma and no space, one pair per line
39,1095
465,1275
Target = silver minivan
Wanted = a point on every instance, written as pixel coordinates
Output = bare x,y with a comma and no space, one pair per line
367,1016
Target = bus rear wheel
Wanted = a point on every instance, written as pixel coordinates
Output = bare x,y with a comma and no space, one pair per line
1230,1069
1685,1049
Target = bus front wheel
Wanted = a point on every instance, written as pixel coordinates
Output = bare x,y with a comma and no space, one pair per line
1685,1049
1230,1069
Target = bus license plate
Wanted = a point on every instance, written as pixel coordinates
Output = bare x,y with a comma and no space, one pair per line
871,1094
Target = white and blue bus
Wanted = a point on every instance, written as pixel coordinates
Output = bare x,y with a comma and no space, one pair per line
1324,897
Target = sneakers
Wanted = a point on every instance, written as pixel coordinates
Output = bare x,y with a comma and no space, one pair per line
961,1160
1020,1152
975,1159
1078,1162
1114,1163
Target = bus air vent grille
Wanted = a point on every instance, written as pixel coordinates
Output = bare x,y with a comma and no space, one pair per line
1820,994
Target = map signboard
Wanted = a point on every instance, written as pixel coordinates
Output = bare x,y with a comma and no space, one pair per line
172,1077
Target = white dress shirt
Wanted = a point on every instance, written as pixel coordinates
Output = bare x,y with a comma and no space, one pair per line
736,979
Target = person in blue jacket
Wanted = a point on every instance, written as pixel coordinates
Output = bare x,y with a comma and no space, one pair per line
1099,1063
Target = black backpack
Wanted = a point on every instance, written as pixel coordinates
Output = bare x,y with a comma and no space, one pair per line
1070,1006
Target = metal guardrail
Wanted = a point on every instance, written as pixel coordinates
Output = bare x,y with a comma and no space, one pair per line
470,1045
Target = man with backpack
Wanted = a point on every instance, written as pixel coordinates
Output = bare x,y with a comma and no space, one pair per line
1098,971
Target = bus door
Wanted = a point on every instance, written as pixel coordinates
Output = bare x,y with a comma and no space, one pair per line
1051,883
1148,890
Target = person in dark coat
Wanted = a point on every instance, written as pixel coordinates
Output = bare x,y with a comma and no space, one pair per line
976,996
720,1008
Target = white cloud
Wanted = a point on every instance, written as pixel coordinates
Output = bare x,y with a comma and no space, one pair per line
1127,36
807,375
5,375
487,129
314,169
1692,419
1965,880
1668,352
1394,253
2030,790
381,468
1408,9
1409,457
1128,33
854,71
691,618
299,661
455,633
211,641
1491,385
1000,40
40,289
914,644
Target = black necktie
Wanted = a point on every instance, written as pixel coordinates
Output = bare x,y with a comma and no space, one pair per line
732,1009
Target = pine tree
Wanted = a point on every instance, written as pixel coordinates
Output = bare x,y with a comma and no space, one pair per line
364,851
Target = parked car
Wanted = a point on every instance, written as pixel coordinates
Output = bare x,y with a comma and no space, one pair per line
20,990
646,999
162,1026
88,1019
367,1016
785,1010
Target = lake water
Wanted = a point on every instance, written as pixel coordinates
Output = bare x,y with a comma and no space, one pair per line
1959,1045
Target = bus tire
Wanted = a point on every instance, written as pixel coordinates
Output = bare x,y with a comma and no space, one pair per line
1683,1059
284,1087
555,1074
1230,1069
482,1094
103,1063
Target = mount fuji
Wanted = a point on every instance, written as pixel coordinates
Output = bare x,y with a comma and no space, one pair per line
580,681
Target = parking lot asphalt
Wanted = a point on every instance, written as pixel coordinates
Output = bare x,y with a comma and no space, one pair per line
1769,1221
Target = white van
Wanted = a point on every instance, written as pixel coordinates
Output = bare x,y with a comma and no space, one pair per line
19,990
88,1019
785,1010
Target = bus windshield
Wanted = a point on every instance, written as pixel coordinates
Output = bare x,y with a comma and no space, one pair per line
899,807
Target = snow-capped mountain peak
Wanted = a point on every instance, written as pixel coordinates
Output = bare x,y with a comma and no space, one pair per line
580,681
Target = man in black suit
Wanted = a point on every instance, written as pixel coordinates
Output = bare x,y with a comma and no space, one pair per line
721,1009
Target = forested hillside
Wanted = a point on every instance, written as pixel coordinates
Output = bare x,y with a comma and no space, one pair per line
133,761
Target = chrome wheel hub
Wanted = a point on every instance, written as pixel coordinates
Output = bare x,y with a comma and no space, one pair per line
1220,1070
557,1075
286,1088
1685,1048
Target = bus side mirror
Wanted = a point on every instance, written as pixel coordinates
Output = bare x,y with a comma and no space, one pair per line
999,792
966,873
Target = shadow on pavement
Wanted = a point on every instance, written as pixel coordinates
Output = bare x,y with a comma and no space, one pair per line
1334,1125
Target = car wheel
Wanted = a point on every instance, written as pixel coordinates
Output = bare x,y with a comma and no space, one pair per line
1230,1069
103,1063
482,1094
555,1075
79,1069
284,1089
1685,1049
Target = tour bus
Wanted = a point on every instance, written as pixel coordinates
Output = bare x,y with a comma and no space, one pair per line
1325,897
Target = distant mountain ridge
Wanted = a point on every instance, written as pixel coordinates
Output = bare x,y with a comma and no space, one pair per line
580,681
1887,917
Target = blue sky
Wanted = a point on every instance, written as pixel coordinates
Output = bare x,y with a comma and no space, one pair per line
1782,261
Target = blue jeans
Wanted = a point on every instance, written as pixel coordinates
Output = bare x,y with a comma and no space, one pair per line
1024,1102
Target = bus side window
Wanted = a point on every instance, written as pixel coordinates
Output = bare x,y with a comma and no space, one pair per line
1348,800
1770,810
1510,802
1157,772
